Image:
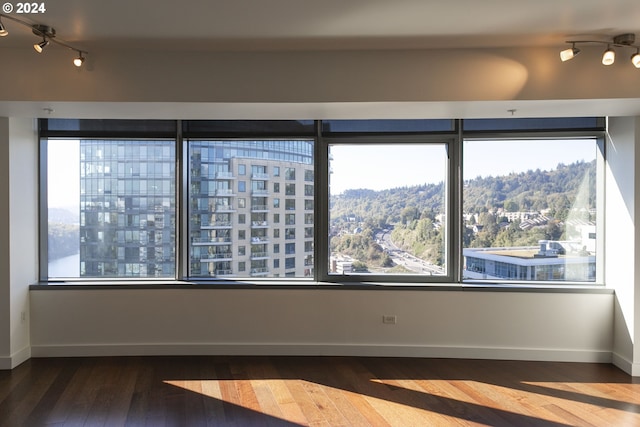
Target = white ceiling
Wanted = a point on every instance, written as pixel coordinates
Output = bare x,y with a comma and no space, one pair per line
326,24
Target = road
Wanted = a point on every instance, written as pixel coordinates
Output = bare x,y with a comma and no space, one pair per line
405,259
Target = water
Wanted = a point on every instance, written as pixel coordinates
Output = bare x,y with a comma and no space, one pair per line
68,266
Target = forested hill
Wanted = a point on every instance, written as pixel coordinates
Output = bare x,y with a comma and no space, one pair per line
535,190
387,206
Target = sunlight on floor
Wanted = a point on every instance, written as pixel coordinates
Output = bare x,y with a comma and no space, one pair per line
404,402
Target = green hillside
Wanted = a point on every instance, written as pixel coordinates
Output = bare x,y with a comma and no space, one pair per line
414,213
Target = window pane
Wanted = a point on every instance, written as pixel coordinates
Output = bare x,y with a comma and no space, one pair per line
242,128
387,126
530,210
388,210
529,124
110,127
215,229
111,208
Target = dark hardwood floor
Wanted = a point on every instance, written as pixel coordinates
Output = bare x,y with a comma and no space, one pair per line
315,391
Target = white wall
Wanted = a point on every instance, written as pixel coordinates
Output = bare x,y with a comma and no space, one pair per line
19,242
513,325
5,247
23,203
623,237
328,77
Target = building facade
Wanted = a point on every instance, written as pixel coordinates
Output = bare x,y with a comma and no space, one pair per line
251,208
127,208
551,261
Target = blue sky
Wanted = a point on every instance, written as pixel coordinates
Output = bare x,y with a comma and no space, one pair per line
380,167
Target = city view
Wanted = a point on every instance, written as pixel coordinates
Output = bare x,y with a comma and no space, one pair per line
525,217
251,207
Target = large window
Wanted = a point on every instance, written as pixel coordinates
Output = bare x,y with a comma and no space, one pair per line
397,202
111,208
530,209
214,214
389,209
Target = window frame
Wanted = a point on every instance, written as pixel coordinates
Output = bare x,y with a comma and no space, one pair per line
453,193
600,141
452,203
43,203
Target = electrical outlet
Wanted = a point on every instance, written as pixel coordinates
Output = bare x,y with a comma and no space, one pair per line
389,319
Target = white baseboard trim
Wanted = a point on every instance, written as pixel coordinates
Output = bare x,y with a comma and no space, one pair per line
626,365
15,359
96,350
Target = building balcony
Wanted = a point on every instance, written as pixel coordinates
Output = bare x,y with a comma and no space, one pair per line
224,175
260,176
216,225
222,192
259,272
223,256
204,241
259,240
223,273
259,208
223,209
259,224
259,255
259,192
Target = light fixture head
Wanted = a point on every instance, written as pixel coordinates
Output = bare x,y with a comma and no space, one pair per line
3,30
635,59
39,47
570,53
609,56
79,60
44,31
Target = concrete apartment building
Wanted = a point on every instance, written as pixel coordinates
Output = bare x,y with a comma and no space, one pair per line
251,214
326,61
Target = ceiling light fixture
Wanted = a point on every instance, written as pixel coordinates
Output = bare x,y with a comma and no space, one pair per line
635,59
79,60
570,53
609,56
3,30
48,35
39,47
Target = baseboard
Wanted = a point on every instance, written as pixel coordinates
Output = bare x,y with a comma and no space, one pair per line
93,350
15,359
626,365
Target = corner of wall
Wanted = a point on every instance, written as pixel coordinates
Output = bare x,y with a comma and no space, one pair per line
622,252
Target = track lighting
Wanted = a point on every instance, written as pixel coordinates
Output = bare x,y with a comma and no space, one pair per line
568,54
609,55
79,60
635,59
3,30
39,47
48,35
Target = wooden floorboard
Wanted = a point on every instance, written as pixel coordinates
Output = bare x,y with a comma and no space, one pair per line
314,391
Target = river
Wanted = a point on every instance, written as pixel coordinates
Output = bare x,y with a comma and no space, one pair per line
68,266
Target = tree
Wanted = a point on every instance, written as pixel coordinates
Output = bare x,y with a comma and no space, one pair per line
511,206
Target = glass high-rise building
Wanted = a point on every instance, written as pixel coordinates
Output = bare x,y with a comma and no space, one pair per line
127,208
